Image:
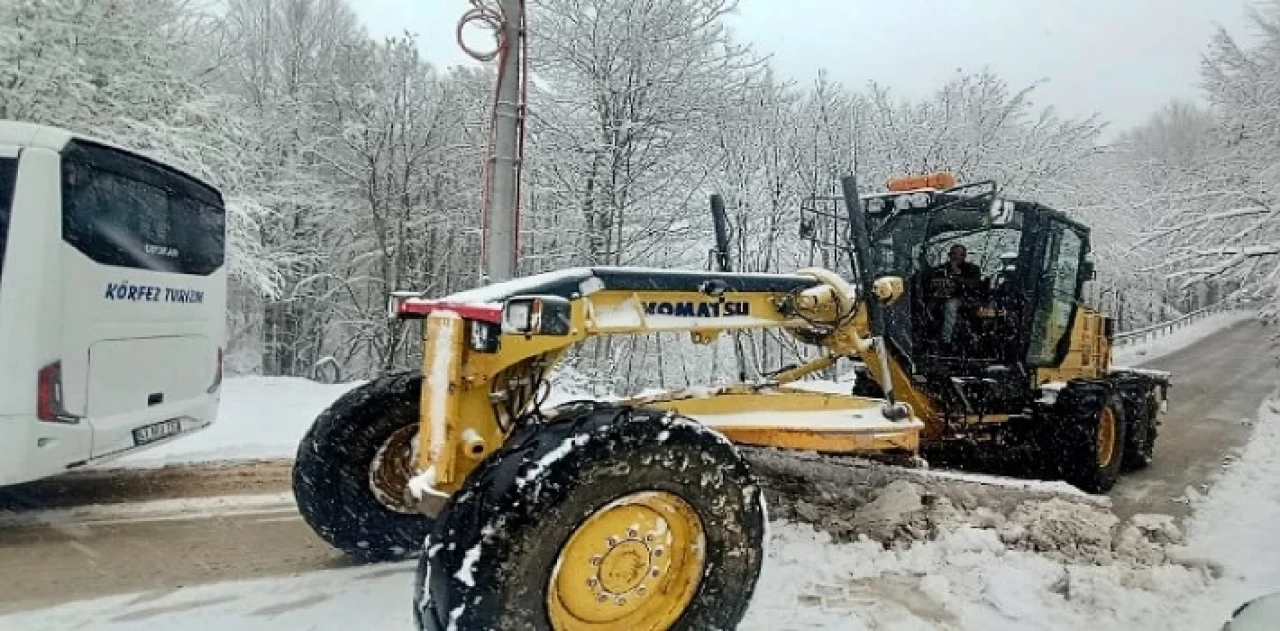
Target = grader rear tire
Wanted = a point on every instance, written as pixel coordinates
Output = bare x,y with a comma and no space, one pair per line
352,468
1140,448
611,518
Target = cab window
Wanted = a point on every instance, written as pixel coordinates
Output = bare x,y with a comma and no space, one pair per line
1056,300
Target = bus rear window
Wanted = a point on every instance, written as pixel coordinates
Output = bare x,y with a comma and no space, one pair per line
8,179
125,211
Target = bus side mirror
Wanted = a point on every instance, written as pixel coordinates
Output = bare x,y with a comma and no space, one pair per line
537,315
1088,271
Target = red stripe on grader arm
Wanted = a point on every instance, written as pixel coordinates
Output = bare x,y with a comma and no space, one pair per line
418,308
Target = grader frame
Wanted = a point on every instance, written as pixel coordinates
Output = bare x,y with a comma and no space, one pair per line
465,421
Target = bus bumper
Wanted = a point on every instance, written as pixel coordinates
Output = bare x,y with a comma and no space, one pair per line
32,449
178,422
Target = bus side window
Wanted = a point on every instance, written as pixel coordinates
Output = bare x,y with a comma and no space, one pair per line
8,180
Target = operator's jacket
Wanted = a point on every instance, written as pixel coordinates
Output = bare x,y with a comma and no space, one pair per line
951,281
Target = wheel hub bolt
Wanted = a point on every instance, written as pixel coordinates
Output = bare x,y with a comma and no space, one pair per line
632,533
602,598
592,582
655,572
657,552
613,541
596,560
621,601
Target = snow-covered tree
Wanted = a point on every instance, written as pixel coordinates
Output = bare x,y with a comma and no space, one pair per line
352,167
405,155
277,58
134,72
1223,177
636,89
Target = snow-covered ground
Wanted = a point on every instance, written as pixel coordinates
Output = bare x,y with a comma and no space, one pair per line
260,417
1057,565
1238,524
1179,339
1060,565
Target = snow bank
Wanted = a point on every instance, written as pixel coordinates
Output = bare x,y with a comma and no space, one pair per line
1238,524
260,417
968,579
1179,339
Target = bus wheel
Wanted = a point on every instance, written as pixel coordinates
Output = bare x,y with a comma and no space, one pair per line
610,518
354,465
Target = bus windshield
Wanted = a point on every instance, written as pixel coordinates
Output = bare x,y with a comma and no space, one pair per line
8,176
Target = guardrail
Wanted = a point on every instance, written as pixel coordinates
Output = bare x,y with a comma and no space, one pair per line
1155,331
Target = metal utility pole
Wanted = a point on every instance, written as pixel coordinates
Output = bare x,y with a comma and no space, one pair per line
501,222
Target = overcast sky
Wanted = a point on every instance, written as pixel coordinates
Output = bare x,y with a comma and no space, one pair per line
1119,58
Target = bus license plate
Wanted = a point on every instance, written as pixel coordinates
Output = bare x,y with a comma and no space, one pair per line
156,431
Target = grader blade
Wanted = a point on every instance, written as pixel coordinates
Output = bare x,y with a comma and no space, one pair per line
791,418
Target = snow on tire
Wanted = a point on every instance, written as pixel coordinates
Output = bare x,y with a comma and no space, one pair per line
354,449
615,515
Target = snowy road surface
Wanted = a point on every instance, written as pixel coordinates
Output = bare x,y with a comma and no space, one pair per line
1217,387
233,522
148,558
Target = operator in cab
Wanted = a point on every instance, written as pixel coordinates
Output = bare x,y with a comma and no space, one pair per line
952,284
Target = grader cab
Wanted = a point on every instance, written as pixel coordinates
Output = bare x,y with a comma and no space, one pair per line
643,513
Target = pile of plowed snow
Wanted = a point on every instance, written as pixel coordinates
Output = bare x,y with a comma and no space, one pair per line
914,558
1063,529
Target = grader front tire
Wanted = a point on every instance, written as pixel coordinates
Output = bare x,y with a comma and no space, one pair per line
610,519
1090,437
352,468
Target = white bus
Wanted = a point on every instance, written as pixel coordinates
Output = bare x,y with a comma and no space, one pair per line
112,302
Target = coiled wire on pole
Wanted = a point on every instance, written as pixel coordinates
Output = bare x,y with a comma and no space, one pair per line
487,17
492,18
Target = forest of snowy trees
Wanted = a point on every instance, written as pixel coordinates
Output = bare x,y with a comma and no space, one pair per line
352,166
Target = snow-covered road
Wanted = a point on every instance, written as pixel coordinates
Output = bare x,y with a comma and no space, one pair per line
1053,566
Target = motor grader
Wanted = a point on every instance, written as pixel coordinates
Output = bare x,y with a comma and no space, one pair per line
642,514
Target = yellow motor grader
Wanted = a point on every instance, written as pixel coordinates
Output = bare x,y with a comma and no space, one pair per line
642,514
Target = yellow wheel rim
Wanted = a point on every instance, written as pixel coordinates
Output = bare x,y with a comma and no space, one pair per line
393,467
1106,437
634,565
